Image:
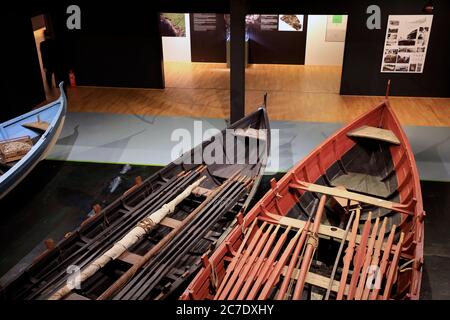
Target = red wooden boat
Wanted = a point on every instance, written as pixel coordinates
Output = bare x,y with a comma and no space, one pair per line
345,223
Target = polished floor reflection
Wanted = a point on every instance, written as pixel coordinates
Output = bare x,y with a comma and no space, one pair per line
298,93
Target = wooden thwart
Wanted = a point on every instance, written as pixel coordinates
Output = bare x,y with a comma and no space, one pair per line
336,192
76,296
325,231
37,125
375,133
337,202
130,257
201,191
169,222
316,280
251,133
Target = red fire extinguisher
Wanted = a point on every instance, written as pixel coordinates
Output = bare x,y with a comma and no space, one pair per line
73,83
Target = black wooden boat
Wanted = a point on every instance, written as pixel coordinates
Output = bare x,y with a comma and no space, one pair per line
170,250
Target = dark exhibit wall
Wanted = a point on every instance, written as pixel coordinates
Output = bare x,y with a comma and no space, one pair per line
364,52
266,43
21,86
38,22
208,37
364,48
120,46
117,46
283,47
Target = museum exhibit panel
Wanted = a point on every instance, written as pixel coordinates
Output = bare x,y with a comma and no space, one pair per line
231,150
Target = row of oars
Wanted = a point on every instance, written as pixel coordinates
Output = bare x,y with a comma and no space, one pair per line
132,238
256,268
151,275
124,278
56,276
370,269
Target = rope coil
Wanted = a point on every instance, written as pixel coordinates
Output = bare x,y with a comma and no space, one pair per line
313,239
147,224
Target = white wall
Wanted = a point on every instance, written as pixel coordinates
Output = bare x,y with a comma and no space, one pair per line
178,48
318,51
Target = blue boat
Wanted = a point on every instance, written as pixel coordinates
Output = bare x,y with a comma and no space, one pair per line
42,128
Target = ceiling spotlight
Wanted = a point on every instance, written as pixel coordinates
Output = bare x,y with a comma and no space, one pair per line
428,7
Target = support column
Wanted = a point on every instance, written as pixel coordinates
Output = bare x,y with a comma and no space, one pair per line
237,60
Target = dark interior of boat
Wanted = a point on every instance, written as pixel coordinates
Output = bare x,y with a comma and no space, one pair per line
367,169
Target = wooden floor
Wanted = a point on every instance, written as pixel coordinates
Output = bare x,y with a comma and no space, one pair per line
260,77
298,93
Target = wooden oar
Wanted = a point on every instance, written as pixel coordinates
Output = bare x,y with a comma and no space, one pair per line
311,246
295,257
249,264
384,261
293,279
376,258
235,271
153,273
368,258
393,269
360,253
346,258
268,264
261,259
274,275
235,261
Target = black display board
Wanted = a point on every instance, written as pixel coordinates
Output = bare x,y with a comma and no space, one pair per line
364,52
117,46
208,37
268,45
